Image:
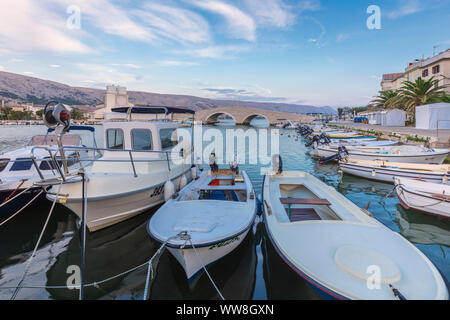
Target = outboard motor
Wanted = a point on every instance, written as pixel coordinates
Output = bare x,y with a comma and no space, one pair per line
277,164
325,138
213,163
234,165
311,142
340,155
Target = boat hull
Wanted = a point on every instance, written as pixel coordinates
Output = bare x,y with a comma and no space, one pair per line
424,158
387,174
413,200
13,206
105,212
192,260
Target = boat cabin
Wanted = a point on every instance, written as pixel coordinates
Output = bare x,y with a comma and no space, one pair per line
128,134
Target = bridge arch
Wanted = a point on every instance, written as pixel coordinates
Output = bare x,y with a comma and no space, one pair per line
249,118
213,117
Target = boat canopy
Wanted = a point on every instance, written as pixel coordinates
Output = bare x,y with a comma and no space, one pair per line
146,109
79,128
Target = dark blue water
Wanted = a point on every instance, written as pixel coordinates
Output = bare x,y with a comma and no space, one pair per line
253,271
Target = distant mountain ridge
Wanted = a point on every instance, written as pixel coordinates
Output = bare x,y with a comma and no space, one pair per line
29,89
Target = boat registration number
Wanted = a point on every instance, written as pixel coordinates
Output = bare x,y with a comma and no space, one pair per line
158,191
225,243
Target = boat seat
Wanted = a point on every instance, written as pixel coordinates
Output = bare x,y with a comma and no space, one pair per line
304,214
315,202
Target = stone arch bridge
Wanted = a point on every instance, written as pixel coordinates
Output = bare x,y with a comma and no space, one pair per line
243,116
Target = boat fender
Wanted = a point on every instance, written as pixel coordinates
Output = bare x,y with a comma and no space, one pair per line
194,173
445,180
183,181
169,190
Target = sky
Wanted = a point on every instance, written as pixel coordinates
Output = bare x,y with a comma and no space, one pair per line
313,52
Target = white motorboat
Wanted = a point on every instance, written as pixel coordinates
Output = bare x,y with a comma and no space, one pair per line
403,154
426,197
208,219
386,171
363,143
21,168
338,248
142,164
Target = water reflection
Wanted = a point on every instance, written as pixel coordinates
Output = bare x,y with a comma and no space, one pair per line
253,270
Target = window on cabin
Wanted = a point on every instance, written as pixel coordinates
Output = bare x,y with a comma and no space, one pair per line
168,137
141,139
22,164
3,164
114,139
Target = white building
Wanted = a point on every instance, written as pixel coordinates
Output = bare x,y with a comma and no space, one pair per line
388,118
433,116
115,97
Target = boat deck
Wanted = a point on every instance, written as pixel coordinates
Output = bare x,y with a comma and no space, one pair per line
304,214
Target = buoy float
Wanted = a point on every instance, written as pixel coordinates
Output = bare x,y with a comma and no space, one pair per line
169,190
194,173
183,181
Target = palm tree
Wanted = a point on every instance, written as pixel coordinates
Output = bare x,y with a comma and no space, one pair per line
420,92
386,99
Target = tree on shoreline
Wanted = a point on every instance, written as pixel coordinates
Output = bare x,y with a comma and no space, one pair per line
420,92
411,95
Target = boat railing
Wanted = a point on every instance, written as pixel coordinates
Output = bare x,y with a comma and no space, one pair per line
165,156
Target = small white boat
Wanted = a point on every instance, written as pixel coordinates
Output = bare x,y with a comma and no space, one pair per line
338,248
215,212
403,154
363,143
426,197
386,171
18,171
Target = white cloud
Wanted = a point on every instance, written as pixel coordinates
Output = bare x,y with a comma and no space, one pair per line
405,9
273,13
308,5
54,66
100,75
127,65
215,52
240,25
103,14
177,24
14,60
174,63
2,68
342,37
28,25
28,73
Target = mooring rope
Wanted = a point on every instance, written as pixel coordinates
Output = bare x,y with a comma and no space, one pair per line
23,208
15,190
150,270
36,247
96,284
4,203
204,268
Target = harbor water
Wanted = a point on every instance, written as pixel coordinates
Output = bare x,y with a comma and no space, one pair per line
252,271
